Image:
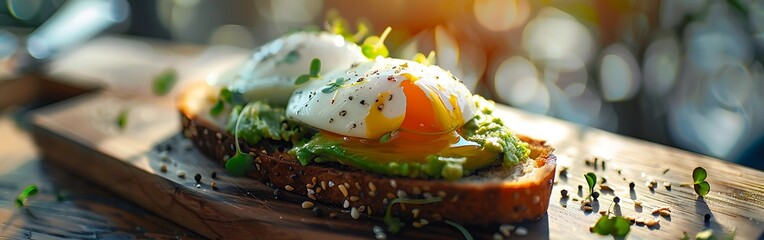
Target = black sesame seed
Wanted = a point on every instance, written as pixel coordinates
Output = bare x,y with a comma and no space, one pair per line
350,98
363,102
631,185
318,212
390,98
354,125
580,187
380,107
277,192
293,176
595,195
707,217
564,193
616,200
331,120
214,175
343,113
198,178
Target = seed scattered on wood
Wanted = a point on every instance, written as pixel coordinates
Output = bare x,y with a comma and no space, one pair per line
665,213
317,211
640,221
163,168
602,212
332,215
307,204
181,174
706,217
214,185
506,229
605,187
652,222
289,188
631,185
616,200
595,195
354,213
354,198
637,203
658,210
214,175
564,193
588,208
667,185
497,236
521,231
415,212
346,204
198,178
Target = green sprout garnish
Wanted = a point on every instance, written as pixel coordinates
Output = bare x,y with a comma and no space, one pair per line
315,68
387,137
394,224
426,60
121,120
699,181
240,163
29,191
225,96
333,86
618,226
467,235
338,25
291,57
374,46
164,82
591,180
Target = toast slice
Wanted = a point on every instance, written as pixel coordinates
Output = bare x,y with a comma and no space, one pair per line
491,195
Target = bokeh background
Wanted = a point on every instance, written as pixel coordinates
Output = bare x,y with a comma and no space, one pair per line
684,73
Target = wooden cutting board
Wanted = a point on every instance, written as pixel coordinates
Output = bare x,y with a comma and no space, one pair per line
80,135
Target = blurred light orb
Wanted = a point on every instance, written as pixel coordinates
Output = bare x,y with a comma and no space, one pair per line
24,9
501,15
619,74
517,83
716,39
731,85
233,35
8,44
556,36
289,11
661,66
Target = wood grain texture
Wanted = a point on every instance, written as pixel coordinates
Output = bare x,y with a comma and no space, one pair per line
84,211
80,136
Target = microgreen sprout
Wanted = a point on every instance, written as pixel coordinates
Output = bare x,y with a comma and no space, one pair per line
315,68
591,180
699,181
467,235
240,163
374,46
164,82
333,86
338,25
426,60
617,226
121,120
29,191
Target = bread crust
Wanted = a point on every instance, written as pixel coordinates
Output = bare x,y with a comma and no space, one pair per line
464,201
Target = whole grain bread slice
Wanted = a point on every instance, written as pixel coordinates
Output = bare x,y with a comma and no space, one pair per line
491,195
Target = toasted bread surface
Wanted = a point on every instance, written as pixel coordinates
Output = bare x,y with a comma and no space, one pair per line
491,195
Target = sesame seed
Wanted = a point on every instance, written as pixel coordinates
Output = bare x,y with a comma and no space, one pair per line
347,185
314,180
331,184
616,200
181,174
664,213
198,178
318,190
257,165
497,236
346,204
416,225
442,193
354,213
361,208
357,186
393,183
308,185
521,231
637,203
706,217
372,193
343,190
401,193
163,168
416,191
506,229
652,222
353,198
258,160
372,187
307,204
289,188
343,113
323,184
631,185
415,212
332,215
564,193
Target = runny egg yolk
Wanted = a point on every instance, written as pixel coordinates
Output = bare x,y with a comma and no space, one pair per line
429,126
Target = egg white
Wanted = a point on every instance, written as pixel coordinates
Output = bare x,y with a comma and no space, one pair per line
269,75
344,111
